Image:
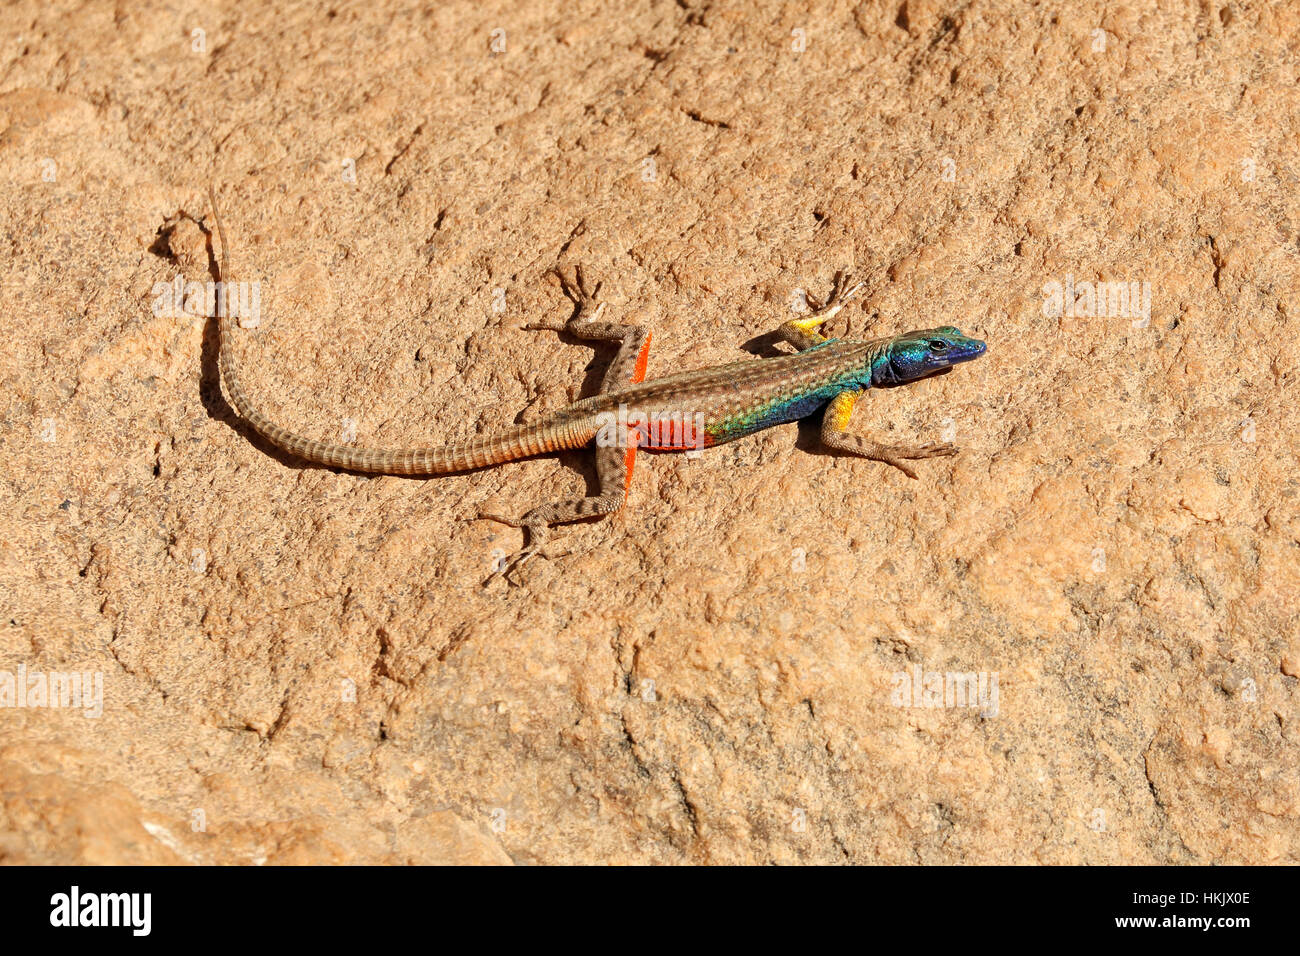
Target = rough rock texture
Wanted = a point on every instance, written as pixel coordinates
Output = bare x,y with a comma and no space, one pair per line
301,665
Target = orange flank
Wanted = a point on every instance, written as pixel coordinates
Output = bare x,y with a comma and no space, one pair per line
633,435
629,462
674,433
642,358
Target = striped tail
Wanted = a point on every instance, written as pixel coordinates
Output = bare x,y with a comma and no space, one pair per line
519,441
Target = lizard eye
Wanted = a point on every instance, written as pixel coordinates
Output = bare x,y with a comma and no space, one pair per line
938,345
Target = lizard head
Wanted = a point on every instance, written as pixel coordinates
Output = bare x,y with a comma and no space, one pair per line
919,354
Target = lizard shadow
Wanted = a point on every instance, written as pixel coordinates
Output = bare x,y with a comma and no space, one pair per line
213,401
764,345
580,460
220,410
594,374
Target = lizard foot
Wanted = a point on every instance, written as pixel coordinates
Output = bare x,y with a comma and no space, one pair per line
841,293
576,287
584,297
896,454
533,548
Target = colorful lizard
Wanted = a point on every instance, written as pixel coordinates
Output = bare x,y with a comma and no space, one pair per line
679,412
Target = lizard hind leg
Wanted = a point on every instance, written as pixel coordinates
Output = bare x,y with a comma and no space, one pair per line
613,463
613,470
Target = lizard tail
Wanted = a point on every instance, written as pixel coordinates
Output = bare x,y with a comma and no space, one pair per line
520,441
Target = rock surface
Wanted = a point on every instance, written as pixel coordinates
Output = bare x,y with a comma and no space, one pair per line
300,665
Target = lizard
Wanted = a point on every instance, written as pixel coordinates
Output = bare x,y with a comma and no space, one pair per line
703,408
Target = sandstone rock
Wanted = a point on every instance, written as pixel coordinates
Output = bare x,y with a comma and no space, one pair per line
304,666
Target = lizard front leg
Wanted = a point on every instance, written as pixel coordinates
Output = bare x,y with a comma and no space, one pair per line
802,333
835,435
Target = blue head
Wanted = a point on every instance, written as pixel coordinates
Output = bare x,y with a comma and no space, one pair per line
919,354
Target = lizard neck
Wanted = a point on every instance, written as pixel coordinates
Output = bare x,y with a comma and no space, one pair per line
880,371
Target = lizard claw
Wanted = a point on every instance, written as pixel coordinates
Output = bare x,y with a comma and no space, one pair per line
901,467
582,284
507,566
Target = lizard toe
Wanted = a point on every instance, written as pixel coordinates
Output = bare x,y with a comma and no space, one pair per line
938,449
504,519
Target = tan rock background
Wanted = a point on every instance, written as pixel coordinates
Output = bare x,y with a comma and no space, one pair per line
307,666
